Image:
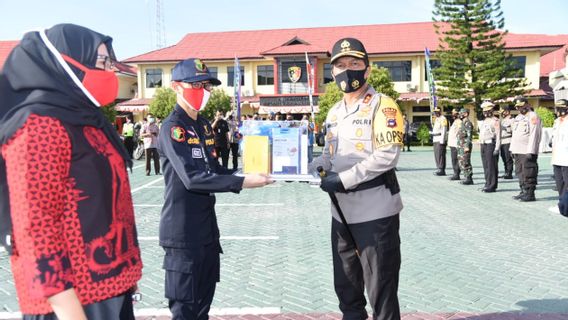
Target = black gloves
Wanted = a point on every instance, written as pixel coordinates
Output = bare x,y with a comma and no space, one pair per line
563,204
531,157
332,183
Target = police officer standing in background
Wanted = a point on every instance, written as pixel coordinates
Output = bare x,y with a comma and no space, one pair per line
188,225
453,143
506,134
465,134
560,154
527,131
490,143
439,139
362,147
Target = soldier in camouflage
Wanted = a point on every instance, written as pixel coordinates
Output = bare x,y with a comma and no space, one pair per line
464,146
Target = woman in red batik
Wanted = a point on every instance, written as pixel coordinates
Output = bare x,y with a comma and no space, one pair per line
63,179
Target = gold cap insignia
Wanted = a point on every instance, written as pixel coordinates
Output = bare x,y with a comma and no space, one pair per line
345,45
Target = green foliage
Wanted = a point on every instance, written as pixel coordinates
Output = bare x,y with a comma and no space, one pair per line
546,115
381,81
219,100
163,102
474,64
109,112
330,97
423,134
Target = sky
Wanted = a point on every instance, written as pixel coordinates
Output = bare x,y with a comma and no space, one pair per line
132,23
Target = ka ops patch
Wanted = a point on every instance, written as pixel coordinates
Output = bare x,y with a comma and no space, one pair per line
178,134
388,125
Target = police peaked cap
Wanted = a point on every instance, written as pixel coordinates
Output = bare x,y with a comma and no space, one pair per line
349,47
464,110
520,101
487,106
193,70
561,103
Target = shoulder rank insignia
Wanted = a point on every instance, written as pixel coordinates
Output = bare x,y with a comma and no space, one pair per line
178,134
367,98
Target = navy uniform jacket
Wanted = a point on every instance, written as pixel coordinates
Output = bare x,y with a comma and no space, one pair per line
192,175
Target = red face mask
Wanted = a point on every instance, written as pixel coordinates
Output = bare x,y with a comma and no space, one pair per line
196,98
101,84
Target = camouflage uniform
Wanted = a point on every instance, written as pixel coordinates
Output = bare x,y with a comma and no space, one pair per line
465,142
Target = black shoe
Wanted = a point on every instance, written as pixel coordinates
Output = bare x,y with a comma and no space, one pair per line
467,182
147,173
528,197
519,196
409,150
507,176
487,190
442,173
159,174
454,178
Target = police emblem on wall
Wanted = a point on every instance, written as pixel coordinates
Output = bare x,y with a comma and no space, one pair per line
294,73
390,115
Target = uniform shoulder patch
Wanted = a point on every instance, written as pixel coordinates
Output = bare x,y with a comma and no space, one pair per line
388,125
178,134
367,98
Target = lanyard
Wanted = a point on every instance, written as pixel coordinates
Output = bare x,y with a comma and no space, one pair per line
203,150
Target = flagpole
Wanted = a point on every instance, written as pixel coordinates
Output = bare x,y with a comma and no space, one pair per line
431,84
237,88
310,84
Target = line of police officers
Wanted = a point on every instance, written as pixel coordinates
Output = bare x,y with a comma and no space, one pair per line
515,139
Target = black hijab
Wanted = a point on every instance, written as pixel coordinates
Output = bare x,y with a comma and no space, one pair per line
33,81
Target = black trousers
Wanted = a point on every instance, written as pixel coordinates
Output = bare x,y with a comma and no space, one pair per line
377,270
191,279
235,154
152,154
223,154
489,162
455,162
440,156
406,141
129,145
526,168
507,158
561,178
117,308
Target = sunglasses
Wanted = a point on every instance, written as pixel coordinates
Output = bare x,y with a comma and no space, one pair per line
205,85
108,62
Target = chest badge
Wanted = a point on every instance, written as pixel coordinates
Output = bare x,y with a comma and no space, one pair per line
196,153
359,132
360,146
207,131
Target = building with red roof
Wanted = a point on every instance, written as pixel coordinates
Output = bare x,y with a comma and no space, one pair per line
5,49
265,57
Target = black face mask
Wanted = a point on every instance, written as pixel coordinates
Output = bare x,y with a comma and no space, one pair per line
488,115
523,110
350,80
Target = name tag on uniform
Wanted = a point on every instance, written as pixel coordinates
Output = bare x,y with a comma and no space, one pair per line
196,153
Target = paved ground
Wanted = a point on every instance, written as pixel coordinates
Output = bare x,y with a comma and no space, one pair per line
466,254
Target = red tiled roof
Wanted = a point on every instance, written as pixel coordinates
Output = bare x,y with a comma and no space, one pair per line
135,102
5,49
378,39
295,49
555,60
124,68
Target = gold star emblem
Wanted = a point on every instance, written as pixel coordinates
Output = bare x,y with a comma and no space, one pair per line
355,84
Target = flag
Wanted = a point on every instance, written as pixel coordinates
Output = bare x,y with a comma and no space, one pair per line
431,84
310,74
237,87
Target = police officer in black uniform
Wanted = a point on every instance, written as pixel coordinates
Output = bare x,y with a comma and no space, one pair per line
188,225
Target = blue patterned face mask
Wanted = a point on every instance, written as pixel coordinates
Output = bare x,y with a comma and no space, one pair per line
350,80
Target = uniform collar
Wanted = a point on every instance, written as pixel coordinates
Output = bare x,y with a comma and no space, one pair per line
370,91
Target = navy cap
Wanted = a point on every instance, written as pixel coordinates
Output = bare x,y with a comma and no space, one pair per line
349,47
193,70
520,101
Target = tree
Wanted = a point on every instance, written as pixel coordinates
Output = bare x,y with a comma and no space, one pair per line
379,79
163,102
546,116
330,97
474,64
423,134
219,101
109,112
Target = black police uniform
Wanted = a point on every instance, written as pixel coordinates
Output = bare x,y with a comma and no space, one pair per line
188,225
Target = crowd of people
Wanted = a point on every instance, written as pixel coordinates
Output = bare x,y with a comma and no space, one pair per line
515,139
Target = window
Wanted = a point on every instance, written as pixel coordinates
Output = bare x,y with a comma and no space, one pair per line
212,71
399,70
518,64
153,78
434,64
327,78
231,76
421,109
265,75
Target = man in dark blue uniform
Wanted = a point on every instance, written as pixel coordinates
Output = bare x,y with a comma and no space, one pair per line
188,225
